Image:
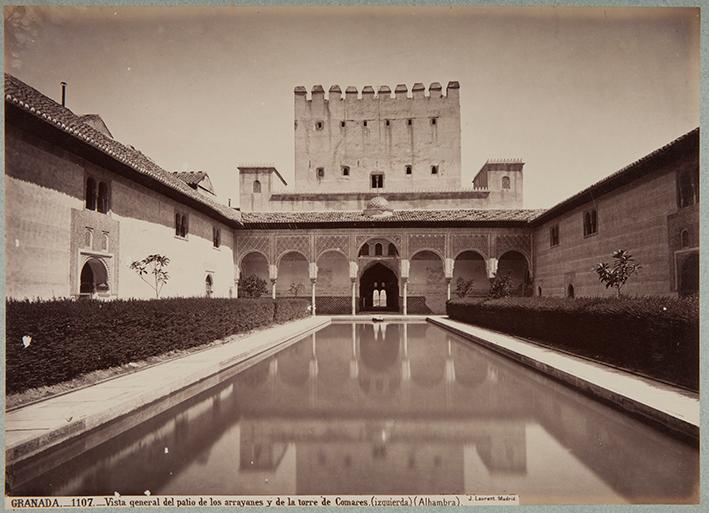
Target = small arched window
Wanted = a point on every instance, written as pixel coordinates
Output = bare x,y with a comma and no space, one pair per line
208,284
90,193
103,197
392,249
364,251
377,249
257,186
505,182
684,239
570,291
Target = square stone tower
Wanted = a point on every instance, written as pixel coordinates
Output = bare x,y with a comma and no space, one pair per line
393,143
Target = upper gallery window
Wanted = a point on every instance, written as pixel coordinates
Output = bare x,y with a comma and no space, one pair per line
257,186
505,182
554,235
377,181
590,222
97,196
688,188
181,225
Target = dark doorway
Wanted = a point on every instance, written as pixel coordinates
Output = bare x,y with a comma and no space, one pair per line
689,276
93,278
374,280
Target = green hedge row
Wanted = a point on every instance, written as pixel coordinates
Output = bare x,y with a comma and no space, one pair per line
655,336
70,338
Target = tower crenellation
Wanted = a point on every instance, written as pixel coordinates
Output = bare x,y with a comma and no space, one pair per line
409,136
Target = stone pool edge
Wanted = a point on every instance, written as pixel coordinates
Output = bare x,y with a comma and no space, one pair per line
648,407
260,342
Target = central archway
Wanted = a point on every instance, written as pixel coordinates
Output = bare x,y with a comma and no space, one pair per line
378,277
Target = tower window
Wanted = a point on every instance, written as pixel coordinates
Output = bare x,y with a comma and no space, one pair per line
387,122
377,181
320,172
216,237
345,170
505,182
364,123
409,122
257,186
342,124
319,125
433,121
409,169
434,170
590,223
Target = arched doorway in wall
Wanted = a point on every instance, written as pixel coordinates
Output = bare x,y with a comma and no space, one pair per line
379,289
94,278
514,264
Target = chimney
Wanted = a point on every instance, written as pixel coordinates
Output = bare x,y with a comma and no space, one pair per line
63,94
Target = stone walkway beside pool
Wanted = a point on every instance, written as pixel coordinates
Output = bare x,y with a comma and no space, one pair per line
44,424
672,407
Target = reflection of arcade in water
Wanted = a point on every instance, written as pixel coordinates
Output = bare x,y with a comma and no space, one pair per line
389,408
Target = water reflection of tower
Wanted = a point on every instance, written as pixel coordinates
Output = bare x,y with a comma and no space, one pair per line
379,372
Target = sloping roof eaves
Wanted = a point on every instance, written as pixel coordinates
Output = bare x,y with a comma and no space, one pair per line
46,110
421,218
685,143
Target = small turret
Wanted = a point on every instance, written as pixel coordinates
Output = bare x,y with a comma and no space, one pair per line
419,90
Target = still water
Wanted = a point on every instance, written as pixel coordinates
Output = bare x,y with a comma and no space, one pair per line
361,408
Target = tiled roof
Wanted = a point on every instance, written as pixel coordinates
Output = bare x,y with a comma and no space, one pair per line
32,101
191,178
622,176
254,219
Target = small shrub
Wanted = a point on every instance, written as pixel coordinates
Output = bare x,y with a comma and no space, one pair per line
151,265
616,276
253,286
463,287
500,286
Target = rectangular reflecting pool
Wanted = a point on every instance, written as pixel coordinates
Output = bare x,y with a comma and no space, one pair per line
385,408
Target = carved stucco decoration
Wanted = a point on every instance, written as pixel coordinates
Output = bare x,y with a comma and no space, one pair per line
460,243
248,244
435,242
325,243
520,243
297,243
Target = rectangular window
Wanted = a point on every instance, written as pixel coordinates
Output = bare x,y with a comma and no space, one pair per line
554,236
181,225
319,125
387,123
216,237
377,181
104,241
590,222
364,122
345,170
433,121
409,122
409,169
434,170
342,124
320,172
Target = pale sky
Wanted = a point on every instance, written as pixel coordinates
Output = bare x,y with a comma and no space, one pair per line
577,93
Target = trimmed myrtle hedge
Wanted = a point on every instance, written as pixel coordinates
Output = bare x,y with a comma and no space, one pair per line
655,336
70,338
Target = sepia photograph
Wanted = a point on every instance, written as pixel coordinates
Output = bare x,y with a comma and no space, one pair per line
372,256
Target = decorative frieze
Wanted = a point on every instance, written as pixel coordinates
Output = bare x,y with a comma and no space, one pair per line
460,243
297,243
520,243
250,243
435,242
325,243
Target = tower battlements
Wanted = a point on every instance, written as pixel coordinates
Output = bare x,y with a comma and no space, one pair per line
384,92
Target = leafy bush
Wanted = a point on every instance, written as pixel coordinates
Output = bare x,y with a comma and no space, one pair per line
253,286
463,287
623,268
53,341
500,286
655,336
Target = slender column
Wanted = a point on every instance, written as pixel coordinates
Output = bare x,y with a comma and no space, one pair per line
354,296
236,288
448,289
312,295
405,295
273,275
273,288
